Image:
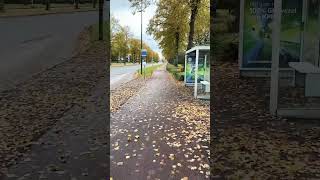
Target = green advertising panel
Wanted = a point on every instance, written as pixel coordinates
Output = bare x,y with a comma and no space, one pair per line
190,70
257,33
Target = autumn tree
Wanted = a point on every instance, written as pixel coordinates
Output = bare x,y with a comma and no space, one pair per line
202,24
140,5
194,6
135,49
169,27
123,43
173,22
120,42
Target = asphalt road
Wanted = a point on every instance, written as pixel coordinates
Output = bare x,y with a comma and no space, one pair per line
123,74
31,44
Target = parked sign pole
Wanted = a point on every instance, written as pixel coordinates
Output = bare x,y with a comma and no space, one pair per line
144,72
144,63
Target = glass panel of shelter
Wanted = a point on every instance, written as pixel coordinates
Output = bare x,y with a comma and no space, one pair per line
311,40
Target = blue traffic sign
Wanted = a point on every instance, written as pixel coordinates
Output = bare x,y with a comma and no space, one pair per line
144,53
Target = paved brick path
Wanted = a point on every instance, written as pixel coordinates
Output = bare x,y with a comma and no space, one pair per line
156,136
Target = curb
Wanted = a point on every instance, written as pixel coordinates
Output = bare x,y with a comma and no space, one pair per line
49,13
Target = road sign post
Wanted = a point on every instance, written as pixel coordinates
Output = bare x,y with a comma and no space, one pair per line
144,67
144,63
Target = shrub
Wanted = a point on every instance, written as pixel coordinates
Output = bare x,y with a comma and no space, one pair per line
177,72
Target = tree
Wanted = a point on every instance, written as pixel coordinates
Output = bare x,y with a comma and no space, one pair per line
194,5
123,44
1,5
172,26
169,26
140,5
234,9
76,6
100,19
47,5
202,24
214,8
134,49
120,42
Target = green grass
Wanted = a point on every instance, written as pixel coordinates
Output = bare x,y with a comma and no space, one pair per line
148,70
177,72
94,31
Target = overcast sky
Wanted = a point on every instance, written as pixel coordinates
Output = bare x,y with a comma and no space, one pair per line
121,10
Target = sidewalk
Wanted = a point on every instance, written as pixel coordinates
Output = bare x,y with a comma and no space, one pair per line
160,133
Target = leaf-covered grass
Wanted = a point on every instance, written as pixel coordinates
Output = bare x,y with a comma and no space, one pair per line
148,70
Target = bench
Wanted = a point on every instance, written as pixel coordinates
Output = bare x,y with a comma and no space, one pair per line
206,85
309,79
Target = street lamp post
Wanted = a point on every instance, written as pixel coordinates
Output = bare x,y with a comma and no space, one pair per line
141,41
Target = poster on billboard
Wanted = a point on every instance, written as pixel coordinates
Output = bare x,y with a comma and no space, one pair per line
256,45
190,68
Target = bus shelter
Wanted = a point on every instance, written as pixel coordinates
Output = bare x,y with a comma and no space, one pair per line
197,71
300,96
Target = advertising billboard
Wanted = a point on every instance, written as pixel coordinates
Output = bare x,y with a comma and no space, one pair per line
256,34
190,66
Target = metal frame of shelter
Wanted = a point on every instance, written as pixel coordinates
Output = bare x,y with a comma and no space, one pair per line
303,112
197,50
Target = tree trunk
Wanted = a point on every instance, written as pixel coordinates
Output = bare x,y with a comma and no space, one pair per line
47,5
1,5
101,20
214,7
177,48
236,14
77,4
194,11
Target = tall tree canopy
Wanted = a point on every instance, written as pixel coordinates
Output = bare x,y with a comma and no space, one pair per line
170,25
140,5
